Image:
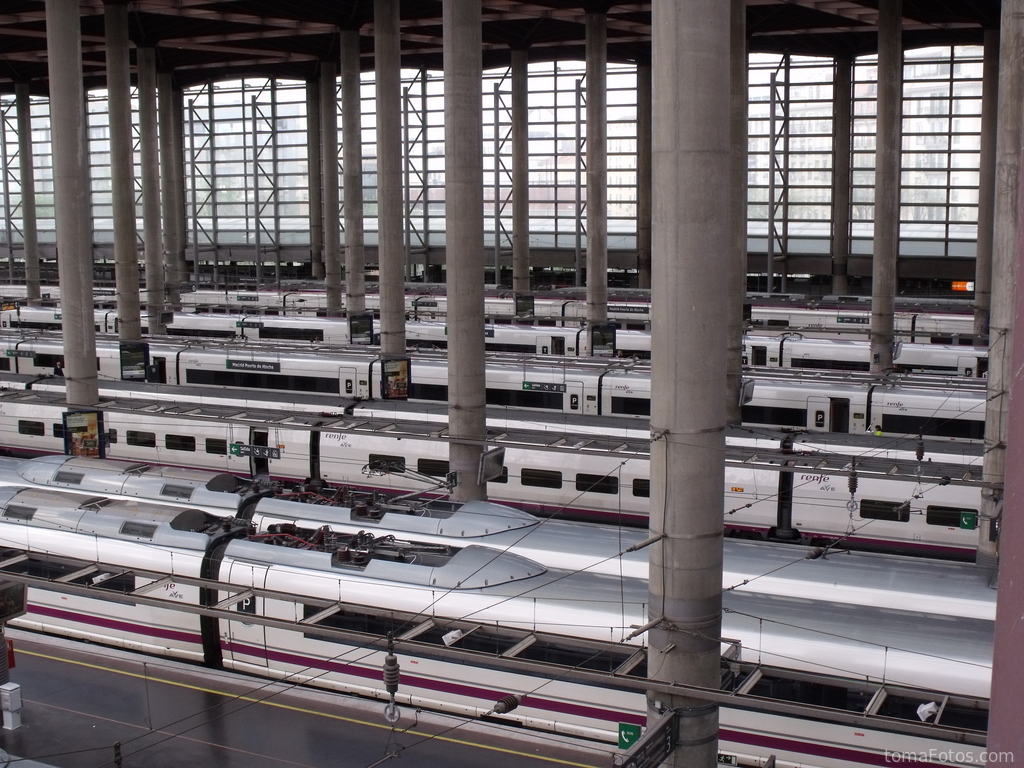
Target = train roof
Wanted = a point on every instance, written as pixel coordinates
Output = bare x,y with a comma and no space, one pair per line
128,520
471,567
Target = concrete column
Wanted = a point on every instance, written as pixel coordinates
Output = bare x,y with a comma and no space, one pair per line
842,128
178,169
643,174
520,173
169,224
464,207
70,188
316,205
352,169
390,195
887,182
692,235
986,185
332,206
28,192
122,171
1005,245
150,152
1004,731
735,266
597,168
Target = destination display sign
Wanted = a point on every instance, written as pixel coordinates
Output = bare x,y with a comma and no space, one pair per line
256,451
543,386
254,365
248,324
20,353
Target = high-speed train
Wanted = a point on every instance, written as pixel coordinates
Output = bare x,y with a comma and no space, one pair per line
953,408
928,507
786,351
828,319
764,568
314,605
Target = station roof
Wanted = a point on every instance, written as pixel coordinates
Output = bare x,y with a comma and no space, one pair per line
203,40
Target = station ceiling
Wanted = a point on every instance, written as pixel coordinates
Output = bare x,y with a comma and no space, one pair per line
203,40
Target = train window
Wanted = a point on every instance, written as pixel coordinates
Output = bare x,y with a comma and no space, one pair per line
515,398
350,620
19,512
631,406
36,428
183,492
138,530
952,517
141,439
642,488
896,511
432,467
5,364
541,478
217,446
179,442
777,323
597,483
384,463
502,479
293,334
765,414
830,365
966,429
111,436
254,380
433,392
57,429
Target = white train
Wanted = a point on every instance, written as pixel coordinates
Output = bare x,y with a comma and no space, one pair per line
928,507
275,611
833,319
942,408
786,351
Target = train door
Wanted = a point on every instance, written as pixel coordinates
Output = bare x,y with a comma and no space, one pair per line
818,410
758,354
558,346
575,401
259,452
967,365
839,414
246,641
156,371
350,385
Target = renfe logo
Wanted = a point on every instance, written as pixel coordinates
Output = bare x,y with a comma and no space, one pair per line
814,478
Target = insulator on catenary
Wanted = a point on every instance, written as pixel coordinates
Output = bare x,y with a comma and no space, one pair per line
506,704
920,448
852,482
392,673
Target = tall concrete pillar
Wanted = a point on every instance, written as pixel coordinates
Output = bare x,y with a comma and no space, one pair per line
597,168
178,169
316,205
329,165
28,192
520,172
643,174
735,266
887,182
692,235
986,185
122,171
70,188
390,196
150,152
352,167
1004,731
1005,245
169,226
464,211
842,129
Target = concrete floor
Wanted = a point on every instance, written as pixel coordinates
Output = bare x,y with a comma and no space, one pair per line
80,700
